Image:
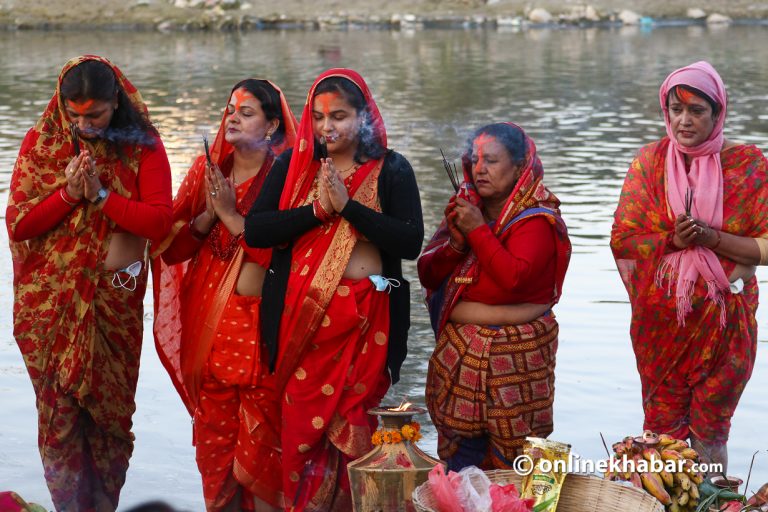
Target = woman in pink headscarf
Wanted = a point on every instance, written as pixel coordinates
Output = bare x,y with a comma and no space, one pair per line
690,228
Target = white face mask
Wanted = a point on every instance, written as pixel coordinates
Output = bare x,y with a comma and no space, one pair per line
383,284
129,283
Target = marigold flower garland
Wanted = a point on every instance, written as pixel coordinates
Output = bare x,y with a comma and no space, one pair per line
408,432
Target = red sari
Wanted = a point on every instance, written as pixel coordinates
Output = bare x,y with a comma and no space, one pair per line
333,335
692,373
488,387
207,338
79,335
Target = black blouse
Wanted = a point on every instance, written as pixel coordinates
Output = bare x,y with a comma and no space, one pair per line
398,232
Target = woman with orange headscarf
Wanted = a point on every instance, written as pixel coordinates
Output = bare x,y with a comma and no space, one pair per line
91,184
493,271
207,294
690,227
336,307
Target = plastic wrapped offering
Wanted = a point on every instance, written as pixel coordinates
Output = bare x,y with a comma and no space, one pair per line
543,483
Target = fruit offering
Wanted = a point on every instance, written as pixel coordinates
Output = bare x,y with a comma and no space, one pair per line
661,465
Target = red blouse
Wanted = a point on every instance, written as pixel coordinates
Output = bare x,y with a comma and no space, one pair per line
148,216
185,244
522,269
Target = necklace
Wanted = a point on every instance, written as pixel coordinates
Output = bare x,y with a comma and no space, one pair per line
346,174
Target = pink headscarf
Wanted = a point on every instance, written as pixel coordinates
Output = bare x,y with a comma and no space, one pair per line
705,178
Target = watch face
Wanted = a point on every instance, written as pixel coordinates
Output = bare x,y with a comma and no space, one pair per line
102,193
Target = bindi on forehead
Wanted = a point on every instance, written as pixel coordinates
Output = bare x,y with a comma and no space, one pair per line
326,101
240,96
80,107
480,143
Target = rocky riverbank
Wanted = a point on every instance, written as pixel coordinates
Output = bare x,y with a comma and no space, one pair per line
168,15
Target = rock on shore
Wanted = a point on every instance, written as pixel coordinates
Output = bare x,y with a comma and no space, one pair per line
333,14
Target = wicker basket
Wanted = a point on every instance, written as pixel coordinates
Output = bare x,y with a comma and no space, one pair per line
580,493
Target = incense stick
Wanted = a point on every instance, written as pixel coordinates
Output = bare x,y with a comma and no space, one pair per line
207,151
323,148
450,169
75,138
688,201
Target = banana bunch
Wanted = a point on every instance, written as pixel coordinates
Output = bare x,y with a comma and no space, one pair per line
671,479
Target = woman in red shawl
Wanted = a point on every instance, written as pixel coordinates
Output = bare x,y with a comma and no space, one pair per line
207,295
690,227
335,312
91,184
492,272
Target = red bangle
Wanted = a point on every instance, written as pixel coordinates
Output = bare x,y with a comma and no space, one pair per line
319,212
71,201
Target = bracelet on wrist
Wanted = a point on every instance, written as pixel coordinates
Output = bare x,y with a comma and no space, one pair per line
71,201
320,212
719,239
450,242
196,232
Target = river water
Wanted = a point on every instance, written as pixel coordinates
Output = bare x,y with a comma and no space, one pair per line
587,96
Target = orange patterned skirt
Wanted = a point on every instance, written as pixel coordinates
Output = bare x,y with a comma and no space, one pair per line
489,388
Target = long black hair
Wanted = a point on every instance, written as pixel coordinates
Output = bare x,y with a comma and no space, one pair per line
94,80
368,147
270,104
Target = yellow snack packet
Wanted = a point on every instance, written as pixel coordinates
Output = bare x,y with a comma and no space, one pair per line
549,461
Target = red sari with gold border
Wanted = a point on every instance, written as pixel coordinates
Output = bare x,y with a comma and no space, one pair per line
207,337
332,347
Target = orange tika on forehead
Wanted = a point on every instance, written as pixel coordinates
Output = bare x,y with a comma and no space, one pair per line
480,141
684,94
325,99
239,96
79,107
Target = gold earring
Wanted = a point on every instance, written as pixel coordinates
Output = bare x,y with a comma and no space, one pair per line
268,137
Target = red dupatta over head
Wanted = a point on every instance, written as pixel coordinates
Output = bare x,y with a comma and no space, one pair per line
530,197
320,256
55,274
190,296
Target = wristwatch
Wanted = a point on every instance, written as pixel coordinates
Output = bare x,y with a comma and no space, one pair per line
100,195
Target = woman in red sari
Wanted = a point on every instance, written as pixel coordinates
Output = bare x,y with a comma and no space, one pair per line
689,229
492,272
91,184
336,307
207,295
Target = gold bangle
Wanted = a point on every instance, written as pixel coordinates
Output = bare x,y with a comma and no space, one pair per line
762,244
450,242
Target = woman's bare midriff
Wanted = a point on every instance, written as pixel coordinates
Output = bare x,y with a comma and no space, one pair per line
365,261
124,249
251,279
506,314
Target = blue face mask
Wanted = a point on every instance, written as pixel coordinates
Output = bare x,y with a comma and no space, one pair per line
126,277
383,284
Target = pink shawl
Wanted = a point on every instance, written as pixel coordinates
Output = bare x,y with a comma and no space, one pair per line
705,178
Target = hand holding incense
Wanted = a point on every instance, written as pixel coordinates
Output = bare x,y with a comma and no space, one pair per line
75,138
453,173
